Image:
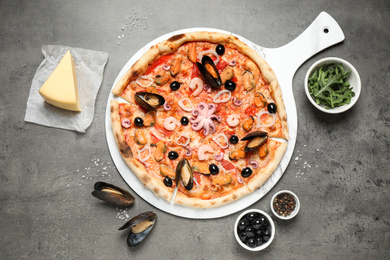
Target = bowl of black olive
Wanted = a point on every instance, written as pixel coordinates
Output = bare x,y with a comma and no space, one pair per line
254,230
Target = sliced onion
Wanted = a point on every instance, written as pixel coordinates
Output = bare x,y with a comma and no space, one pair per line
220,93
233,120
236,101
146,147
201,54
203,149
186,107
146,164
144,77
126,123
219,157
166,106
259,119
255,164
189,150
166,67
239,179
194,189
198,84
233,63
186,136
170,123
215,139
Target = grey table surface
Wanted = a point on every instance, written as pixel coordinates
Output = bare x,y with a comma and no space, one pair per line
339,169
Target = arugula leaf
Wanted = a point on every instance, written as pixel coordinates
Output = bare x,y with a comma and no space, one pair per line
329,86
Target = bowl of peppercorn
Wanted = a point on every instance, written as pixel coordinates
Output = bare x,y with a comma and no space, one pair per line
285,204
254,230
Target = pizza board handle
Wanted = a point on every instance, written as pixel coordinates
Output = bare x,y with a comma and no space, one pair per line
321,34
285,61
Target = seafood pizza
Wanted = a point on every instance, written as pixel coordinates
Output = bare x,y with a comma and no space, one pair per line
203,119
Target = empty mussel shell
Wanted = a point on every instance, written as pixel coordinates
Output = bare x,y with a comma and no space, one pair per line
148,100
209,72
140,226
184,173
112,194
256,139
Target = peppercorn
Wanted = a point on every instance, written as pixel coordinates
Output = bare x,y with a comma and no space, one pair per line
284,204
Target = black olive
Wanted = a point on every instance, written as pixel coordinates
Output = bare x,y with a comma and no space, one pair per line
251,242
242,225
168,182
249,231
267,232
265,221
266,238
256,224
220,49
259,241
184,120
259,233
213,168
271,107
251,216
242,236
138,121
233,139
173,155
246,172
230,85
174,85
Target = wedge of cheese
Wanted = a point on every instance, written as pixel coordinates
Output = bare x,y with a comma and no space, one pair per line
60,89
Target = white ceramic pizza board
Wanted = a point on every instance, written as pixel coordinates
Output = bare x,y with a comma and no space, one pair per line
321,34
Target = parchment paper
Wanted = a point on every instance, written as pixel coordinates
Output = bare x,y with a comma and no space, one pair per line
89,69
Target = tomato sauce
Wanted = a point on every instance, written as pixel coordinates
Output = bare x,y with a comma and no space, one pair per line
158,62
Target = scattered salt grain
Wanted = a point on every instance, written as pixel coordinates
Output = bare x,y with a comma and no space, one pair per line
122,214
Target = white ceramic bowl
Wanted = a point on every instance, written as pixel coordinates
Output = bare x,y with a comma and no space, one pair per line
354,81
264,245
297,205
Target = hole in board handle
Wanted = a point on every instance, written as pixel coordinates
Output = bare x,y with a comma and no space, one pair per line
326,30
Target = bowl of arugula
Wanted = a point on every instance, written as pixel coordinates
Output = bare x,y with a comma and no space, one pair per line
332,85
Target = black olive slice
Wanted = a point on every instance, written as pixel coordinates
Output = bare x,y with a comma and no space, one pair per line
173,155
168,182
138,121
220,49
271,107
246,172
175,85
213,168
233,139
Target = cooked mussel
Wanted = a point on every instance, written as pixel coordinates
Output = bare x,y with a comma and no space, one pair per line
148,100
248,80
184,173
255,139
112,194
140,226
209,72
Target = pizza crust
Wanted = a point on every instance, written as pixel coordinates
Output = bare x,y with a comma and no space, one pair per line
184,200
265,173
153,184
